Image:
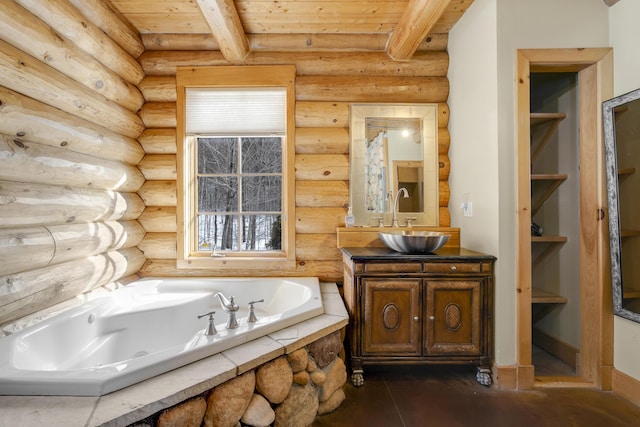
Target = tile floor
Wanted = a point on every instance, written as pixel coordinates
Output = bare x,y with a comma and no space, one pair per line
434,396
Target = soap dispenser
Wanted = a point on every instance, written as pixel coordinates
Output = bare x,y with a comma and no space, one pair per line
349,220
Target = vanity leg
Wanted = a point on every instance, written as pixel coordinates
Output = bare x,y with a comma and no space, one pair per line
483,376
357,373
357,377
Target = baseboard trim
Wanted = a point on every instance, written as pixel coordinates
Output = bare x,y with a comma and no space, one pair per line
560,349
506,377
626,386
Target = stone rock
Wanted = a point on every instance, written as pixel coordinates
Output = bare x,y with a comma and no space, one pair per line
274,379
332,403
301,378
299,409
318,377
298,360
336,378
326,349
259,413
228,401
311,366
186,414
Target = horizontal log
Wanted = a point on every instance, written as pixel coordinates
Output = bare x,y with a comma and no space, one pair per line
159,245
318,88
425,64
40,288
70,23
27,248
322,114
319,220
444,167
112,23
443,194
158,141
27,204
77,240
322,141
288,42
322,167
444,140
158,193
326,271
25,161
158,166
30,119
317,247
159,114
322,193
444,219
56,89
157,219
158,88
372,89
331,114
22,247
31,35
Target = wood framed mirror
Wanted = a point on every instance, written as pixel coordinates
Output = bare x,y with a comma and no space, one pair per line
621,117
394,146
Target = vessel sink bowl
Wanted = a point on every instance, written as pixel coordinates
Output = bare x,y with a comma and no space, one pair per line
413,242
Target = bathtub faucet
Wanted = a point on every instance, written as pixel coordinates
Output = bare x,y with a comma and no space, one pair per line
229,306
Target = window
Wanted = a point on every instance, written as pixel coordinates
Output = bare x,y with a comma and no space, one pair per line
235,167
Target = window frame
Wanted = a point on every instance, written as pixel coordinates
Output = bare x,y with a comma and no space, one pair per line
188,257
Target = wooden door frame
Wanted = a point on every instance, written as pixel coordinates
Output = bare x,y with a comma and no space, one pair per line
595,85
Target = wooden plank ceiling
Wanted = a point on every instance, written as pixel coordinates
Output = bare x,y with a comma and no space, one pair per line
237,27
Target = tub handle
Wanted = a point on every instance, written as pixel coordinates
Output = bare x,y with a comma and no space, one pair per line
211,329
252,315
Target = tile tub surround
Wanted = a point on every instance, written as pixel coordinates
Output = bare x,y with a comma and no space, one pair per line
144,399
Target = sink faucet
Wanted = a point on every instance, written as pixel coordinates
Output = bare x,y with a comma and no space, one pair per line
405,194
229,306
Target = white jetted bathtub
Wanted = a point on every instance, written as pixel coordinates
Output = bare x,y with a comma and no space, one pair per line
144,329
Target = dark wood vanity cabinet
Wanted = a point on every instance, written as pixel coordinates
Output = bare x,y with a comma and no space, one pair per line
404,308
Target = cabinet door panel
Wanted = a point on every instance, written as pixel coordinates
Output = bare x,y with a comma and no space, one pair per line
453,323
392,316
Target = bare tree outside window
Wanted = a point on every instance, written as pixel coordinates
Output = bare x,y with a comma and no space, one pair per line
239,190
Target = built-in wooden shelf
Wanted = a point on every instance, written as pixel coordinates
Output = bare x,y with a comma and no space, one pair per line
627,233
553,243
624,173
544,302
630,293
552,121
543,186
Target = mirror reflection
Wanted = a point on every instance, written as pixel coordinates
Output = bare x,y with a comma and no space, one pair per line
394,164
622,149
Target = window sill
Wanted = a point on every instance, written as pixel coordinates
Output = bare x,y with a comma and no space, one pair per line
237,263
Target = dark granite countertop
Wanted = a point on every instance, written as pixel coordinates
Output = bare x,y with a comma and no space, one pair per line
442,254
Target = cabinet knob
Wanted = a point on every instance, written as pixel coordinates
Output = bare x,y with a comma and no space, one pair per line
416,318
432,317
454,268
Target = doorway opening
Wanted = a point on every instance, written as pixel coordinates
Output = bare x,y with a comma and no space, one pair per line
562,238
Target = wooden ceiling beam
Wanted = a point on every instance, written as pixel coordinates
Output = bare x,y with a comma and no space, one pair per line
415,23
223,20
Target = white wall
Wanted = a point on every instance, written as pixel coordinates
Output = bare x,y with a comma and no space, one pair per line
624,36
482,48
473,124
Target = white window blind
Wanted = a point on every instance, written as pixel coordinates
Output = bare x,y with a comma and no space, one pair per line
229,111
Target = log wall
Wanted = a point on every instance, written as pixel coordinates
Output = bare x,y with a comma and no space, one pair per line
88,145
326,83
69,179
